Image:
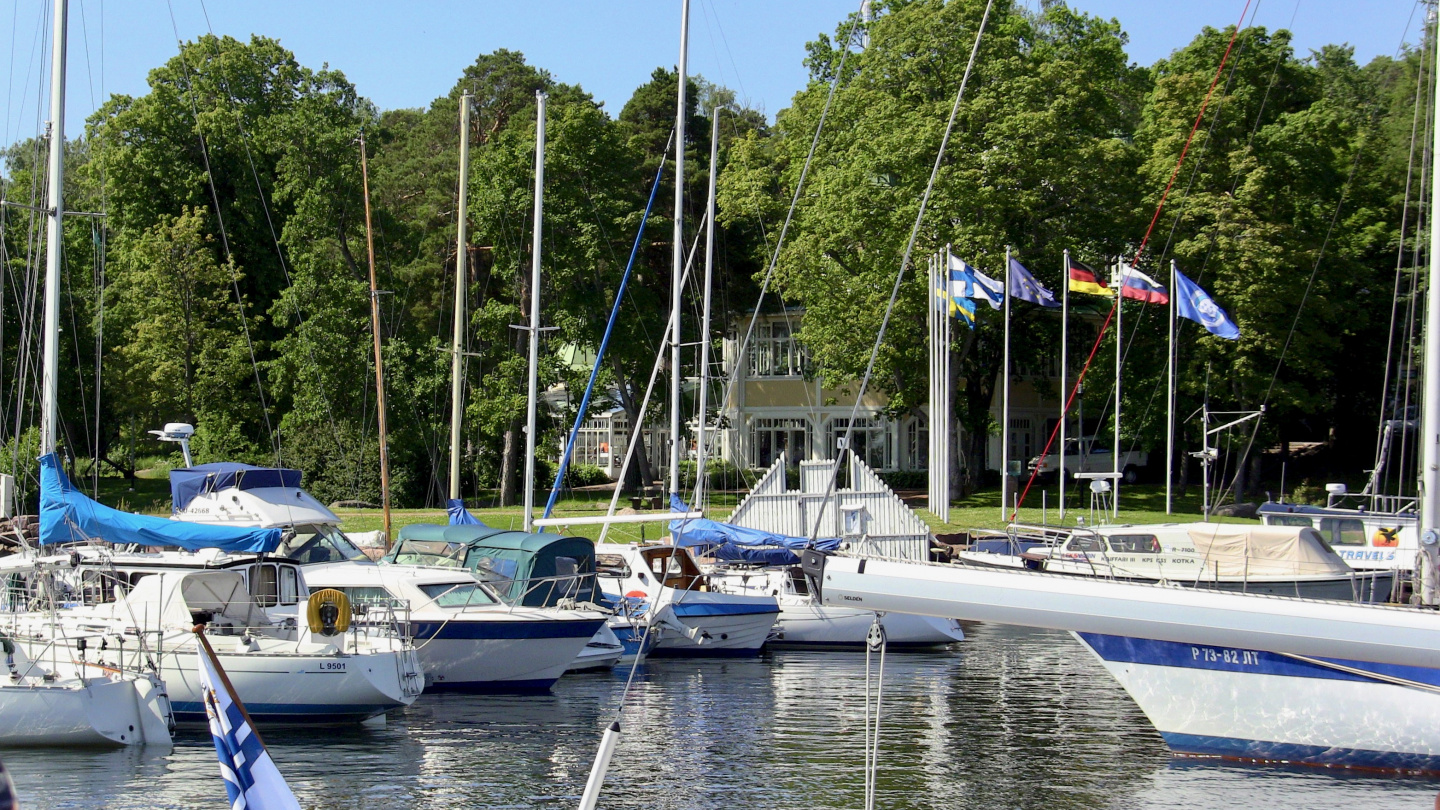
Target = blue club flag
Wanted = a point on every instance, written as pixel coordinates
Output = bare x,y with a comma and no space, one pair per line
1197,305
1026,288
969,284
251,779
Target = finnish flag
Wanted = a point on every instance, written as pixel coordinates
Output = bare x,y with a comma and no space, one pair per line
251,778
1197,305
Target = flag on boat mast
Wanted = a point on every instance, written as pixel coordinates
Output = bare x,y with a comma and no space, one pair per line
251,778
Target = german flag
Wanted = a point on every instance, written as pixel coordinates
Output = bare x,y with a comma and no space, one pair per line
1085,280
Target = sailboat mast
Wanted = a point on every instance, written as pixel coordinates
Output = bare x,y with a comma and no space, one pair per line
534,366
50,409
457,403
375,330
705,310
677,252
1430,433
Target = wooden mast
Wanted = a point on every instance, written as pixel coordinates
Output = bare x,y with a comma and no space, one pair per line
375,330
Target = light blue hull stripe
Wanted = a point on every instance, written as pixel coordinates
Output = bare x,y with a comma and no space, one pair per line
684,609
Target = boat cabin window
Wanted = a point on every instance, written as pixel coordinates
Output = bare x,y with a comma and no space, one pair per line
1291,520
674,568
568,576
458,594
320,544
430,552
798,581
1343,531
498,568
1087,542
272,585
1134,544
612,566
369,596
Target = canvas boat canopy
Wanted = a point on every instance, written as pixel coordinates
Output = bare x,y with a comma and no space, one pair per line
69,516
535,570
1244,551
188,483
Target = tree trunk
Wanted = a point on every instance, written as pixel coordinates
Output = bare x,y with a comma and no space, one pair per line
510,480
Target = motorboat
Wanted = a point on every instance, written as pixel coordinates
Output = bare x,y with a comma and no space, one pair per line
1275,560
467,637
1367,539
804,623
664,584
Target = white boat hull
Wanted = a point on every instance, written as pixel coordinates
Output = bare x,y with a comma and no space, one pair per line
500,656
737,634
1249,705
602,652
96,712
821,627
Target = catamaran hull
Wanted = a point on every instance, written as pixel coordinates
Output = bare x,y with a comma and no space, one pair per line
500,657
99,713
1252,705
820,627
725,630
290,690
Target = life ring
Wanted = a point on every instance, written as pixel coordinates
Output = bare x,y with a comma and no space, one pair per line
328,612
636,594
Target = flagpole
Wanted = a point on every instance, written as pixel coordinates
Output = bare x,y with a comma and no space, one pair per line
1170,401
199,631
1115,448
1005,398
930,437
945,410
1064,359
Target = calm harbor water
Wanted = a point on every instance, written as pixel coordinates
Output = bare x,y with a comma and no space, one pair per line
1010,719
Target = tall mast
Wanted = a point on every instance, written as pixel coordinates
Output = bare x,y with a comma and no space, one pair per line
1430,433
457,403
534,367
375,330
50,409
677,256
705,310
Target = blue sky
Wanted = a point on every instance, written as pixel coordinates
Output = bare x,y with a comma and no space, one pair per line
404,53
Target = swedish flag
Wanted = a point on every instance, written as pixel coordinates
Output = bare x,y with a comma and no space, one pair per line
962,309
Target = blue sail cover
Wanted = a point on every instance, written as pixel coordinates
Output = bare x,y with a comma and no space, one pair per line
67,515
188,483
458,514
740,544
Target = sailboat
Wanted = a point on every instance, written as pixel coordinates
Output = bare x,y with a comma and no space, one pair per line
48,699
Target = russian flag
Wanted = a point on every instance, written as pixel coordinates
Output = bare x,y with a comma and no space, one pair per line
1137,286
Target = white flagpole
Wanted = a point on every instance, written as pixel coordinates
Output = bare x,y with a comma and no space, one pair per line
945,410
1119,347
1064,367
934,405
1005,399
1170,402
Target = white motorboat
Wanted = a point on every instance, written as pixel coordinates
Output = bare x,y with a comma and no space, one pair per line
664,585
468,639
804,623
601,654
1276,560
46,703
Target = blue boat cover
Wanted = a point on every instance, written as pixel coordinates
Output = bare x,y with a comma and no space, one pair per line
67,515
187,483
748,545
458,515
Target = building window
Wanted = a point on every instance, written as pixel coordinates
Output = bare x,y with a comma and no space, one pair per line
774,352
870,439
771,437
593,443
1021,444
917,443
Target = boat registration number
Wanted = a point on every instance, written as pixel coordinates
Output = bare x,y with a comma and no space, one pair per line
332,666
1214,655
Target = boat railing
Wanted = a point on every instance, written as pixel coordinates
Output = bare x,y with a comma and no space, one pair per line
553,590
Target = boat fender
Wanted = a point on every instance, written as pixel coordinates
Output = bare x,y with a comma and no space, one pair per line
328,612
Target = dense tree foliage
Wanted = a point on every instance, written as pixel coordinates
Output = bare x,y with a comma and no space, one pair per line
227,283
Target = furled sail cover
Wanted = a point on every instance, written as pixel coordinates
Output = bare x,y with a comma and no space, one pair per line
67,515
459,516
188,483
730,542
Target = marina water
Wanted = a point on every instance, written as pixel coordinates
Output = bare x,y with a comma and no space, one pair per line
1011,718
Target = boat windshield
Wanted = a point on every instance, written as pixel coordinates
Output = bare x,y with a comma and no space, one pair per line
430,552
320,544
458,594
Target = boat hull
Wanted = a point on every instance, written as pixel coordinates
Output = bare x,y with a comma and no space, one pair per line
500,656
1259,706
820,627
726,629
99,712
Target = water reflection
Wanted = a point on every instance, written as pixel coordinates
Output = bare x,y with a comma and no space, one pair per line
1011,718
